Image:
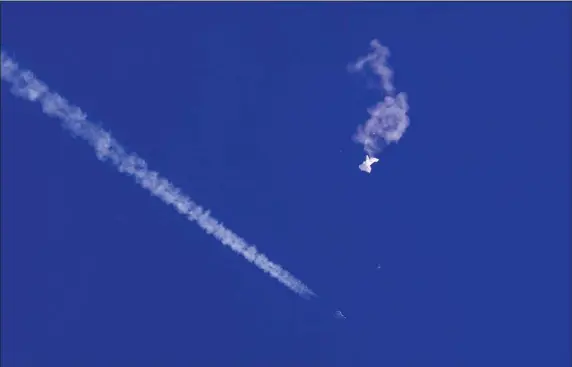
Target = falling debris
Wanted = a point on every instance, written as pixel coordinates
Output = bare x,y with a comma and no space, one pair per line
366,165
388,118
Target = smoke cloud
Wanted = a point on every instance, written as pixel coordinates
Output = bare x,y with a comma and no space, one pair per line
388,118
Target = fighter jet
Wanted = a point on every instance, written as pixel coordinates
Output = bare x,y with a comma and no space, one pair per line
339,315
366,165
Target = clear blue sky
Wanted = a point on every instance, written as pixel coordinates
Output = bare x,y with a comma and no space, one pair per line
250,110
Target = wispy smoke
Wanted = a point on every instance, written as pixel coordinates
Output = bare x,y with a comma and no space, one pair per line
388,118
27,86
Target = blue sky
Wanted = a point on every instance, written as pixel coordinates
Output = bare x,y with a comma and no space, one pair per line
249,109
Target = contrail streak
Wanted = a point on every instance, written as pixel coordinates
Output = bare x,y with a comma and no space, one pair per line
27,86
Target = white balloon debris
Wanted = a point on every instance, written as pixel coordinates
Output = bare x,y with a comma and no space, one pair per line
388,118
366,165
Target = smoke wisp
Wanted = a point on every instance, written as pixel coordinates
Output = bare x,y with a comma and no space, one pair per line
25,85
388,118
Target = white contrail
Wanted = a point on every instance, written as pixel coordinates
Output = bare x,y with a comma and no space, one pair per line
27,86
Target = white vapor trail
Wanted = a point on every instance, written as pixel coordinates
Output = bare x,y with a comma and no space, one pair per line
27,86
388,118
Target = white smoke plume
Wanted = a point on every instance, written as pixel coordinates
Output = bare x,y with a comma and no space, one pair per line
388,118
27,86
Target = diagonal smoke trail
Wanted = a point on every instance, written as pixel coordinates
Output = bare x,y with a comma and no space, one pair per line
27,86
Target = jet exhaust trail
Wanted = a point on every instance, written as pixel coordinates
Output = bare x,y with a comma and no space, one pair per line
25,85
